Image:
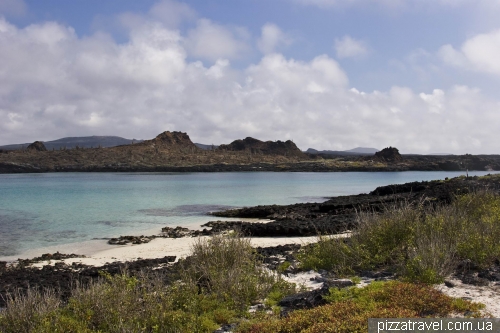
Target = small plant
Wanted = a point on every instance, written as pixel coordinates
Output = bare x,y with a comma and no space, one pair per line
356,279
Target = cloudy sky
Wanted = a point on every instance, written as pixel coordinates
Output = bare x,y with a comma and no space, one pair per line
420,75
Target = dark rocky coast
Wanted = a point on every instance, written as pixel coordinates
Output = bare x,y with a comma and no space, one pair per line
338,214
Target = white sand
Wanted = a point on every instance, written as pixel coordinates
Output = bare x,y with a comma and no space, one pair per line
488,295
161,247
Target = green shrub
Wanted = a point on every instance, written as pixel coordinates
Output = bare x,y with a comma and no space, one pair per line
227,267
379,240
422,243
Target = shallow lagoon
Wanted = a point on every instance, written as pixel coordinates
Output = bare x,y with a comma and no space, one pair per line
46,210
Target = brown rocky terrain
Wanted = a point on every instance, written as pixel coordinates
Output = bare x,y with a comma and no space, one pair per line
175,152
37,146
389,154
254,146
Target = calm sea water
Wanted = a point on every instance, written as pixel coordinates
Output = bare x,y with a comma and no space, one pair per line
42,210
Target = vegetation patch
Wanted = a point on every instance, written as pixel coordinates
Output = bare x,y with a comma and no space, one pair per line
350,308
421,242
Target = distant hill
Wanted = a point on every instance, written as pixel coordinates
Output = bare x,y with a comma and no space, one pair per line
82,142
442,154
358,151
362,150
206,147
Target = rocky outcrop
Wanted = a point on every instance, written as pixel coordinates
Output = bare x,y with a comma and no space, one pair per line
389,154
179,141
254,146
37,146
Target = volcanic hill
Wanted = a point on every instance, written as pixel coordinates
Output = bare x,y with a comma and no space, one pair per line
254,146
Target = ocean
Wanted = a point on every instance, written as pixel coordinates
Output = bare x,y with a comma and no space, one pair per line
53,210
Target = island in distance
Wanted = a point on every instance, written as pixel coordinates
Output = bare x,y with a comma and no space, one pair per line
175,152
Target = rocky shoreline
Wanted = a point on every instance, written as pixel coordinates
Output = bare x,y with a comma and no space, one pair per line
334,216
424,163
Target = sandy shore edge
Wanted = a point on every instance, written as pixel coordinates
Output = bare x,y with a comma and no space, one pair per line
161,247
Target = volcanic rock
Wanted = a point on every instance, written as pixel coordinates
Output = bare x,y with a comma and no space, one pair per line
254,146
389,154
172,141
37,146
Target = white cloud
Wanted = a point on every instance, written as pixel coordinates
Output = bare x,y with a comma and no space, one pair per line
479,53
435,101
272,38
55,84
348,47
212,41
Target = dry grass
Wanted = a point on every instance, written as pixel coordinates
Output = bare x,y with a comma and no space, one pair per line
420,242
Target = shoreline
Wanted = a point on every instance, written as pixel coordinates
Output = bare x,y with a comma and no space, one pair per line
161,247
91,247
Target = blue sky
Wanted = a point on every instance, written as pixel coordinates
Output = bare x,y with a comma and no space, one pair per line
421,75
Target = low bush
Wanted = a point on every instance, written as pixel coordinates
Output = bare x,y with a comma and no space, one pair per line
350,308
422,243
227,268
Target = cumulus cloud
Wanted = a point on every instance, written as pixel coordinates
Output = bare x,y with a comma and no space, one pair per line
54,84
272,38
348,47
480,53
212,41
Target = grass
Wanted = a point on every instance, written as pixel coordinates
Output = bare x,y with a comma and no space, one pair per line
422,243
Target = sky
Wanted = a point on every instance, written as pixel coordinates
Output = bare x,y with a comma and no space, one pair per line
419,75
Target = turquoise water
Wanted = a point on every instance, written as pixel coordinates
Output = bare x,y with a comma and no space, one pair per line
41,210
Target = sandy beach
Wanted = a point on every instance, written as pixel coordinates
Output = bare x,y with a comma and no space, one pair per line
161,247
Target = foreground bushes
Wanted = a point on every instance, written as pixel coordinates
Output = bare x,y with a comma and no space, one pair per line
218,283
421,242
350,309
